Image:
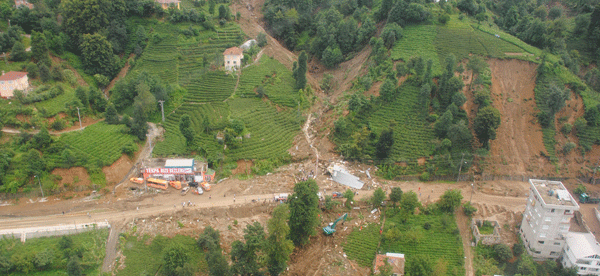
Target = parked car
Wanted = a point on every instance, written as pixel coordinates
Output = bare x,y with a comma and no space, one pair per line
198,191
185,190
137,180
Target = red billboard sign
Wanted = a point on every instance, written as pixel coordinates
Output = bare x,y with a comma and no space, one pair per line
168,171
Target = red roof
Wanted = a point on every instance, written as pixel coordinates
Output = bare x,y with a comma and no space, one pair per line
233,51
12,75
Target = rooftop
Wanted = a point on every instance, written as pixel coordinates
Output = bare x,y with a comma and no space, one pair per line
553,192
396,260
233,51
12,75
582,244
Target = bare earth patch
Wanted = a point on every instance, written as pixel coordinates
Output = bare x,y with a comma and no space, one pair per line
75,178
115,172
519,142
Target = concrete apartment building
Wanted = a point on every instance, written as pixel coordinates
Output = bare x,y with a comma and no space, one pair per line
547,218
582,252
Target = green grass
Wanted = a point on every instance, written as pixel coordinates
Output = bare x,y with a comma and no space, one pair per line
212,87
99,144
361,245
441,243
271,131
145,257
412,133
92,244
418,40
56,105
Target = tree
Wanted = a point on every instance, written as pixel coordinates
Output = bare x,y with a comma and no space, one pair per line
39,47
385,143
485,124
209,239
419,265
377,198
244,255
89,16
332,56
450,200
349,196
211,6
44,72
185,127
387,91
139,127
459,134
223,12
300,71
261,39
112,118
442,124
409,202
304,208
35,163
217,263
97,55
390,34
503,253
42,140
526,265
144,101
18,52
73,267
81,94
396,195
278,247
174,258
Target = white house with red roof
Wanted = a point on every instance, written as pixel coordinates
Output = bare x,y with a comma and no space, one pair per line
165,4
232,58
19,3
12,81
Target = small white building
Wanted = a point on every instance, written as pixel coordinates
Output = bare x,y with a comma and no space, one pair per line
166,4
25,3
547,218
583,252
232,58
12,81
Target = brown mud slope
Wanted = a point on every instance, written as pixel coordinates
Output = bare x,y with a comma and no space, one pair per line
75,178
115,172
517,148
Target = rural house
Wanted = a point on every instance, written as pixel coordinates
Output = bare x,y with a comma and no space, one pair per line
165,4
11,81
19,3
394,259
232,58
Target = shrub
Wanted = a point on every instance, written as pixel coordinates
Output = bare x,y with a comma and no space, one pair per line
102,80
580,189
566,128
469,209
518,249
568,147
69,77
58,124
502,253
424,176
32,70
129,149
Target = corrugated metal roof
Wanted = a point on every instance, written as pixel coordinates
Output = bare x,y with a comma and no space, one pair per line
340,175
179,163
582,244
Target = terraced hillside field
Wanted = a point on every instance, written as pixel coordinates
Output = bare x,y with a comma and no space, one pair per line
99,144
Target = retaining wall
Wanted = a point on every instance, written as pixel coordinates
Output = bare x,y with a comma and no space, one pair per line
49,231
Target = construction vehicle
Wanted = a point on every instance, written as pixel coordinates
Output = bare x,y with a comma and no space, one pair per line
175,184
205,186
585,198
330,229
336,195
281,197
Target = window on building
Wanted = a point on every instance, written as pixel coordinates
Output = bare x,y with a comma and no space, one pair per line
552,211
541,242
542,235
547,219
557,243
234,62
582,268
552,253
545,227
228,62
567,212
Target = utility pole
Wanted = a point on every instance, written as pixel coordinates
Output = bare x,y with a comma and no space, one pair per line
79,115
162,109
39,182
472,190
460,167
